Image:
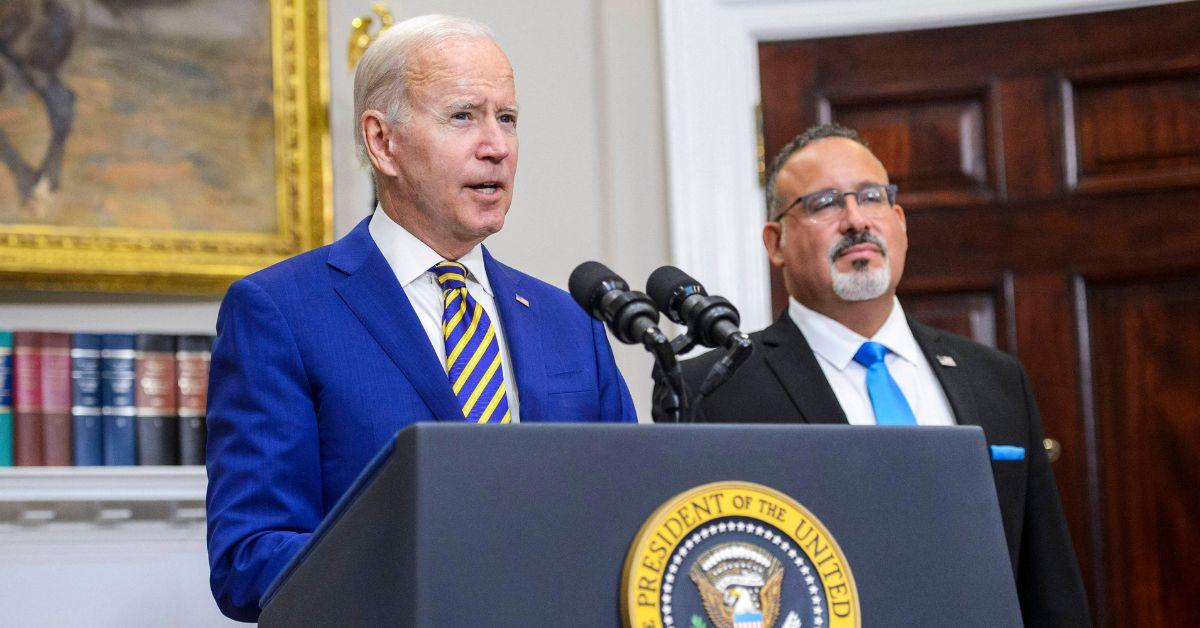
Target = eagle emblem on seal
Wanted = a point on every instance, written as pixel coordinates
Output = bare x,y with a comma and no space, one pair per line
739,584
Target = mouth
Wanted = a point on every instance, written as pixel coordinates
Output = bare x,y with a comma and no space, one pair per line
487,188
859,250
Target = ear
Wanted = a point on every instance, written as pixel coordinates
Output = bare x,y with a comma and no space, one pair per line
377,138
772,236
900,215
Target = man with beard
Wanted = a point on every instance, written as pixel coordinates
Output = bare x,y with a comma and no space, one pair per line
844,352
321,359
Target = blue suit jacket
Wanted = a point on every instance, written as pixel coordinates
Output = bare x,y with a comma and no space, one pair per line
320,360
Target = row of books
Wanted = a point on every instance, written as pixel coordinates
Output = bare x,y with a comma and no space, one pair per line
82,399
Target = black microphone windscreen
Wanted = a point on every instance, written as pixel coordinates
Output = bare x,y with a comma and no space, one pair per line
662,283
585,280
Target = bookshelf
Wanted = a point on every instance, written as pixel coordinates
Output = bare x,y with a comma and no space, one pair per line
43,495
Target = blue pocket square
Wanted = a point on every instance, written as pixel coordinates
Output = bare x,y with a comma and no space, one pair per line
1007,452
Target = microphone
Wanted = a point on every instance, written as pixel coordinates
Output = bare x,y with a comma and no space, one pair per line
712,321
631,317
605,296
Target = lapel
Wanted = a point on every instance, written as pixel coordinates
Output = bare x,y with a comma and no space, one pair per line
955,380
371,291
788,355
520,325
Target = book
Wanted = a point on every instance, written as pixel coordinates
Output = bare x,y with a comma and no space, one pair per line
117,407
192,356
157,420
6,434
27,398
56,399
87,433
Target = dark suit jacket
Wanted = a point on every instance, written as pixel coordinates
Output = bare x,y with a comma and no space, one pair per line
320,360
782,383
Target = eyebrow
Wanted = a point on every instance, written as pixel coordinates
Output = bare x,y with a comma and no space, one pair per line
865,183
460,105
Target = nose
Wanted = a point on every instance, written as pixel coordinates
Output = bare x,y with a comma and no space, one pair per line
853,218
495,142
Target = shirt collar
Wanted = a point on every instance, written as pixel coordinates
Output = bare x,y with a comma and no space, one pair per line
837,343
410,258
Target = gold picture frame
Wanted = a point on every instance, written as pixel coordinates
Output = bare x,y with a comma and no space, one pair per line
48,256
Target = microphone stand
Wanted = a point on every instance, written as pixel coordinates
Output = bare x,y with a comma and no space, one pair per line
675,400
737,349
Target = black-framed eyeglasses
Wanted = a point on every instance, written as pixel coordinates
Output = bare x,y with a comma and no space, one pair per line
826,206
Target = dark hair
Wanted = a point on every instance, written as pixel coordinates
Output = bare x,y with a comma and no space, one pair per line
814,133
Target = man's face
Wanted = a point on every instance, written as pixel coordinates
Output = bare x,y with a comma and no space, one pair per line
854,257
455,158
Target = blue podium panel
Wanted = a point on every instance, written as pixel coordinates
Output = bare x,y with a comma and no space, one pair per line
530,525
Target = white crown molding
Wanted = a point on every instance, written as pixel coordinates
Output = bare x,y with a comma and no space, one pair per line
710,88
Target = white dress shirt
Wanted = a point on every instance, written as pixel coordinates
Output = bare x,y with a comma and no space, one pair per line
410,260
835,345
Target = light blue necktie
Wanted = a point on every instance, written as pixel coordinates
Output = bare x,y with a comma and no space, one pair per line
891,408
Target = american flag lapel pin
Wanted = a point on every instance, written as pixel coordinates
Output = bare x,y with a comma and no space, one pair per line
946,360
522,300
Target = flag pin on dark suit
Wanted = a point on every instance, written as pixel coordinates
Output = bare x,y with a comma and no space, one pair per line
522,300
946,360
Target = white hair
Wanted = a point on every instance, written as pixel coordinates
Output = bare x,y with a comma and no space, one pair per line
381,81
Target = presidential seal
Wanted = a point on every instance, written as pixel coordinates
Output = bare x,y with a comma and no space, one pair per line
736,555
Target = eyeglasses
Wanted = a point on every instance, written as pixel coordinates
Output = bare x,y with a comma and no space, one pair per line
826,206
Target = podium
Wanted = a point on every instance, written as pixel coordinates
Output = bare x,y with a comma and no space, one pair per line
531,525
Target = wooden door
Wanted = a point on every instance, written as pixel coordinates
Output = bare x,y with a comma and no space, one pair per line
1050,170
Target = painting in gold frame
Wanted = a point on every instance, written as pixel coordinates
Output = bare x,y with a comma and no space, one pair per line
160,145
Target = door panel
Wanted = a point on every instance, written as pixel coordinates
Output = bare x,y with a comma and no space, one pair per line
1146,361
936,148
1136,131
969,314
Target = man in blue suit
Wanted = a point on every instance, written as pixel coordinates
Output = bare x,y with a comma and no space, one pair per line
321,359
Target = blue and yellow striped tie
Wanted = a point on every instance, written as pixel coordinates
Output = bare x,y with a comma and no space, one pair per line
472,351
